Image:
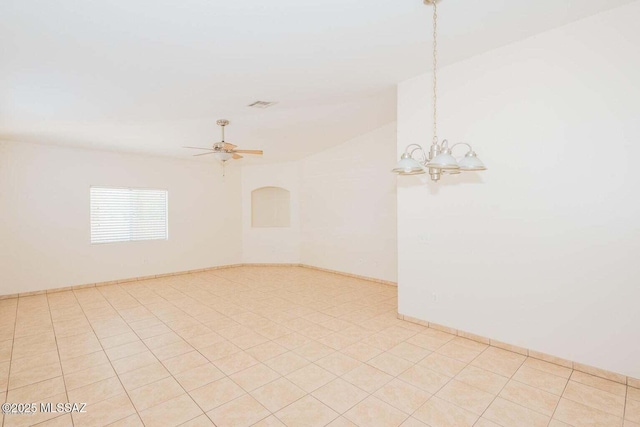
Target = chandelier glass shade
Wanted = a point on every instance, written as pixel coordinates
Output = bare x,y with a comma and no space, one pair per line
408,166
471,162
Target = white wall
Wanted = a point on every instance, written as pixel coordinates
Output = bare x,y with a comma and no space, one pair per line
542,249
343,208
278,244
349,219
349,206
44,217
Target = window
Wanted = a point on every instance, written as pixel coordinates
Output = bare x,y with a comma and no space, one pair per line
128,214
270,207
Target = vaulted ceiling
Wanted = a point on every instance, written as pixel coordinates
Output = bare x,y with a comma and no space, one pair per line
150,76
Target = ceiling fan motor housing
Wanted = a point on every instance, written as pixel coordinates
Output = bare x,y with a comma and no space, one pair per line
224,151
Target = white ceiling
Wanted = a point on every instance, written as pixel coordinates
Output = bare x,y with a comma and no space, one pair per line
150,76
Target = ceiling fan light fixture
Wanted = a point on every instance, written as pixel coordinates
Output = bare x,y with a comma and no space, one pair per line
223,150
223,156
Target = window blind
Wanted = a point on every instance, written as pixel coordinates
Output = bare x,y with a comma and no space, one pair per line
128,214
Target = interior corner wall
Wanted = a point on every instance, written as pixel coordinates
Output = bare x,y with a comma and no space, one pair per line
266,245
44,217
343,209
348,202
541,250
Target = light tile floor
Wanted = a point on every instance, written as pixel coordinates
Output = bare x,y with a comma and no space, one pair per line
274,346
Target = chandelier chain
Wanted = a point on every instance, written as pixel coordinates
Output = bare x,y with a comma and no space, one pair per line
439,160
435,74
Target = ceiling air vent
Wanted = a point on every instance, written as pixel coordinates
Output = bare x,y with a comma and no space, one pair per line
261,104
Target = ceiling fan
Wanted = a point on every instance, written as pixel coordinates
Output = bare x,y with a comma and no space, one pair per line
222,150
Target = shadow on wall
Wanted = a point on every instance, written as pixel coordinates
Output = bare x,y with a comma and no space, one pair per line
434,187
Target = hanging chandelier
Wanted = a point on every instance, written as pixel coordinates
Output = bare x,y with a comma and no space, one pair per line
439,159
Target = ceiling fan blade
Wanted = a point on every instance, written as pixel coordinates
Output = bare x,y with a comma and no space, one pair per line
198,148
248,151
202,154
237,156
228,146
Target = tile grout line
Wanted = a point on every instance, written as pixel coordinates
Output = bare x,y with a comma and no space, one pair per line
313,363
110,362
450,378
13,347
537,388
417,363
505,384
397,376
497,394
289,350
626,401
281,376
481,339
299,299
366,362
55,336
310,394
148,349
435,351
173,331
561,396
231,267
209,361
599,390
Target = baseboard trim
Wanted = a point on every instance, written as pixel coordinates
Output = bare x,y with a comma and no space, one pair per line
326,270
598,372
355,276
116,282
179,273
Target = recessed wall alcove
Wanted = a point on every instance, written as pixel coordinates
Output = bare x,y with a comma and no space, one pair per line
270,207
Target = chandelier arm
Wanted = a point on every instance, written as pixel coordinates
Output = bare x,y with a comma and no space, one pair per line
424,154
462,143
406,150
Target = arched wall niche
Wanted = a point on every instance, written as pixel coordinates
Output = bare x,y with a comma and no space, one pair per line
270,207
